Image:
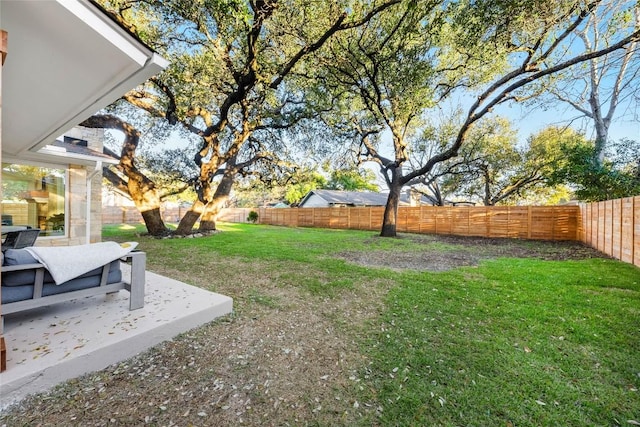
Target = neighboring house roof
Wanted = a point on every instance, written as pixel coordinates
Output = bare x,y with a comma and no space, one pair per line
66,60
354,198
350,198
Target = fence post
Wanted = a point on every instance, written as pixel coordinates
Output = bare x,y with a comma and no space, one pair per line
581,226
595,227
554,217
487,218
529,221
634,258
587,220
611,228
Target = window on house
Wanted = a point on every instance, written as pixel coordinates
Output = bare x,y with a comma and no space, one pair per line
33,196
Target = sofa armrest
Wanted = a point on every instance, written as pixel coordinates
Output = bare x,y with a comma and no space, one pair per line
138,261
39,279
20,267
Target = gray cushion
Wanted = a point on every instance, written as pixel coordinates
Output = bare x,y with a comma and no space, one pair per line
27,277
19,278
18,256
19,293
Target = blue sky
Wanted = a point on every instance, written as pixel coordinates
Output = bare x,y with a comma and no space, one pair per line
528,122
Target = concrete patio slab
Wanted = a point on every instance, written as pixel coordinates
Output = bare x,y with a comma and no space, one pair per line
52,344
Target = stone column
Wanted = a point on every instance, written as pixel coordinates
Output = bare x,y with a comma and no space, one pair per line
95,141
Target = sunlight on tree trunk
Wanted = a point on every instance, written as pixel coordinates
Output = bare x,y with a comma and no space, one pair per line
190,218
141,189
220,198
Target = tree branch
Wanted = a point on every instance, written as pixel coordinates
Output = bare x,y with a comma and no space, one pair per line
339,25
475,112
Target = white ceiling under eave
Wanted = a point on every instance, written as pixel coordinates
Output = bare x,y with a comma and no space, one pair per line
66,60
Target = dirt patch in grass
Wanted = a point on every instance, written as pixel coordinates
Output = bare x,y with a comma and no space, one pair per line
286,356
441,253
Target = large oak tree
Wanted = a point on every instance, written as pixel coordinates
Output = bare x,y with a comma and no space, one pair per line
398,68
236,77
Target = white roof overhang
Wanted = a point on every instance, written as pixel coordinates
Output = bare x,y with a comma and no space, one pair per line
66,60
77,154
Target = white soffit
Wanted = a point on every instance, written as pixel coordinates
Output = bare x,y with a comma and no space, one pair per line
66,60
70,153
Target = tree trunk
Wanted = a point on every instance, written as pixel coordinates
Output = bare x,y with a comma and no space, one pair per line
145,195
390,219
151,215
147,201
189,219
602,134
142,190
209,216
153,220
436,197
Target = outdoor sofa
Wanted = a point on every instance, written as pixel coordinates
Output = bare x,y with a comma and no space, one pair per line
28,284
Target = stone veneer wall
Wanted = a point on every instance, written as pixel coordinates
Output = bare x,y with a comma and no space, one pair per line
77,189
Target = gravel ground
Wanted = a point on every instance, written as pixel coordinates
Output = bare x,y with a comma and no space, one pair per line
285,357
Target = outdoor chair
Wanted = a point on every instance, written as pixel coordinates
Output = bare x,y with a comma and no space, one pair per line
20,239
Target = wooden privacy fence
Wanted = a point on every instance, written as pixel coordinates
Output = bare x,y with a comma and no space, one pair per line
120,215
525,222
613,227
131,215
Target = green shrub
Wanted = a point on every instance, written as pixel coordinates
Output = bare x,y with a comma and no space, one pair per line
253,217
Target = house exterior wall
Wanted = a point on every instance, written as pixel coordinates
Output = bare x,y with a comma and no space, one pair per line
77,196
95,138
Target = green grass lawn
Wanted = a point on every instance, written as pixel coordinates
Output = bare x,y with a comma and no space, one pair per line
513,342
510,342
